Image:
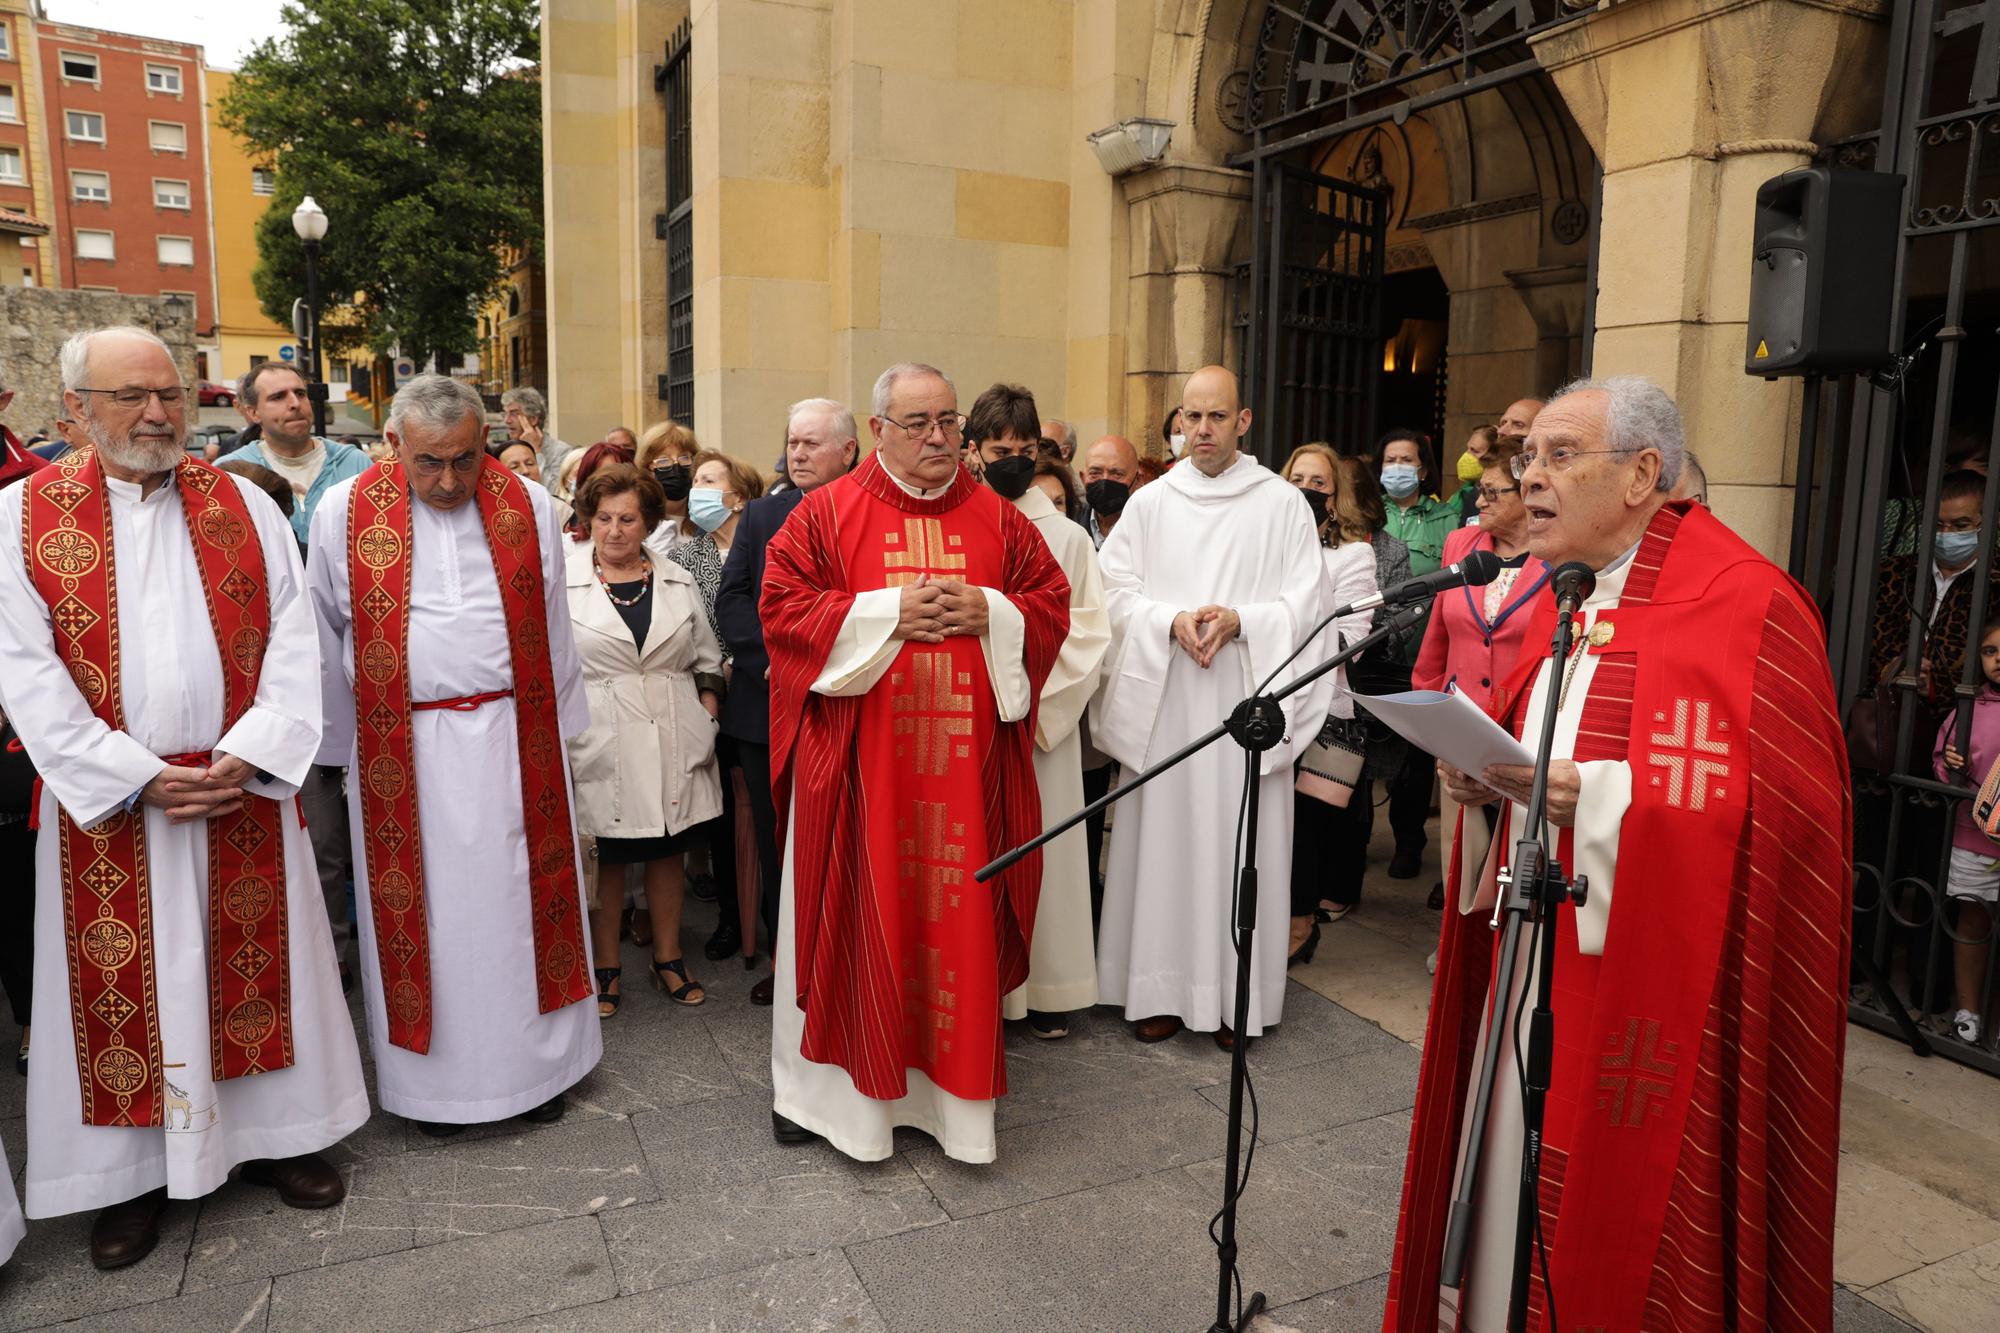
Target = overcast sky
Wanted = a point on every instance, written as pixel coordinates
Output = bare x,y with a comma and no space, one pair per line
227,29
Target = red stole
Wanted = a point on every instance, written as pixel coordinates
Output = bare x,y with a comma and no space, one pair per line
903,792
378,562
67,540
1662,1192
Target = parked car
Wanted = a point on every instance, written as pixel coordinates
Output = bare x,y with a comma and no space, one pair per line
210,394
201,436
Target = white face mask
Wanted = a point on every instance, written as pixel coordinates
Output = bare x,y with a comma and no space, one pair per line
1177,444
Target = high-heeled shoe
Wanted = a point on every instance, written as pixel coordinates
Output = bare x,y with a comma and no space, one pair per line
1304,953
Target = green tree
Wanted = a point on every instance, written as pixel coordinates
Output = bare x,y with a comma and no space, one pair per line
417,126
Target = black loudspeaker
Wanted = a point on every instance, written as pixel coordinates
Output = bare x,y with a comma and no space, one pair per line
1822,272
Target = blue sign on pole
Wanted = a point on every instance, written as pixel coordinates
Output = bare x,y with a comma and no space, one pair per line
288,353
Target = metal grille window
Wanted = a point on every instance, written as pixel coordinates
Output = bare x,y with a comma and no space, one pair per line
676,227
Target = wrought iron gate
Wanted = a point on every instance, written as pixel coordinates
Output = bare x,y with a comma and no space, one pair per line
676,227
1875,455
1313,310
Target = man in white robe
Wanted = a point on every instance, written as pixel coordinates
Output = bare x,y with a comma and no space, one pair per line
1062,960
492,1053
1212,578
172,695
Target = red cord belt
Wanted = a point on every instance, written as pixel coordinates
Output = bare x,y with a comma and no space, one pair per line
464,703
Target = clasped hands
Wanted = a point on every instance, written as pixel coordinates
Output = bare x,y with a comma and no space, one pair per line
191,794
934,609
1204,632
1516,783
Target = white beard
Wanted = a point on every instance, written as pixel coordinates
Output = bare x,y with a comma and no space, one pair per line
145,455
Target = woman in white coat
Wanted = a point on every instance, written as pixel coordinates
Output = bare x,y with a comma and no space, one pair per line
1350,573
645,770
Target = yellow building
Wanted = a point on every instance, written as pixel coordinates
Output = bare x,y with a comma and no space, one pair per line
513,340
239,194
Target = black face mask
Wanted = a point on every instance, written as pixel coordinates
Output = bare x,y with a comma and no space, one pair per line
1011,476
1107,496
1315,501
676,479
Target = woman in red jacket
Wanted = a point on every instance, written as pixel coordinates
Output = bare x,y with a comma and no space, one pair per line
1475,634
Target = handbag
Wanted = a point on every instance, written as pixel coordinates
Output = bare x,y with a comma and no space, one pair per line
1871,730
1330,769
1986,805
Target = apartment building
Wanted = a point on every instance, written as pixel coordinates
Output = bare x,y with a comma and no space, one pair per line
26,195
127,137
240,188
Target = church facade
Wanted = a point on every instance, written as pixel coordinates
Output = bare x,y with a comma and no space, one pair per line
755,201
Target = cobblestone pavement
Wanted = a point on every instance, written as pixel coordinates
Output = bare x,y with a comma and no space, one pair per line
661,1202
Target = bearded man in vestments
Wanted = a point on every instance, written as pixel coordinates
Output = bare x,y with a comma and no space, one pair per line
912,617
160,667
1213,578
1699,783
452,682
1005,431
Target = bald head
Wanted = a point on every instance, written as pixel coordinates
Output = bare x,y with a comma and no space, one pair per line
1213,418
1519,415
1110,456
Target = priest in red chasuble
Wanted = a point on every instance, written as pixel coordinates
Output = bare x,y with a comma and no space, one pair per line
451,683
159,663
1700,783
912,617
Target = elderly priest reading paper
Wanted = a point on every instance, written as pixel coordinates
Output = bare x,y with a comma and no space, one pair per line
159,665
1700,783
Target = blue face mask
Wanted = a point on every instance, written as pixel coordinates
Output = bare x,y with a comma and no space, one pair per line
1955,548
706,509
1400,479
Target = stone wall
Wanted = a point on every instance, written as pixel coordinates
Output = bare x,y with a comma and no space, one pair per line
36,321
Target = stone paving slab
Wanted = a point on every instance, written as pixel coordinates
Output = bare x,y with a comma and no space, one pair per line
1306,1099
701,1233
817,1293
1132,1255
245,1232
50,1277
1352,1309
1056,1157
1959,1295
463,1284
532,1176
242,1308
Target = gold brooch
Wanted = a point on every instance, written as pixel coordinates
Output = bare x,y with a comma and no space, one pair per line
1601,633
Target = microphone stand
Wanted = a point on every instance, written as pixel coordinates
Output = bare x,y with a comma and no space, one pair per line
1257,724
1535,886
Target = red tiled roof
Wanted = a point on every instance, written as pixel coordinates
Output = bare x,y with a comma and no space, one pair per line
21,223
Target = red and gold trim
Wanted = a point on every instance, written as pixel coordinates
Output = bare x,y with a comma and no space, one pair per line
107,908
378,548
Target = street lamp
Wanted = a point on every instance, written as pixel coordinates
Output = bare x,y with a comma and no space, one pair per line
309,221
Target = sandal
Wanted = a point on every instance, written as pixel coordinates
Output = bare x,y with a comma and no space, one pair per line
679,995
607,999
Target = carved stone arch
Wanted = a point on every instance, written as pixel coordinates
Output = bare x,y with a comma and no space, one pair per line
1197,49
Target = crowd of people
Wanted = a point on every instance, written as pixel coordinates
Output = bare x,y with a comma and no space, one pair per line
450,721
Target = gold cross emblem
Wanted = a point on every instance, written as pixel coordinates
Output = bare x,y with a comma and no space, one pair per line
926,550
1693,755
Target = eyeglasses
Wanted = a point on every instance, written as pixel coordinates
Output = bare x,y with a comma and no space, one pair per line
1491,494
951,423
133,396
1559,459
463,465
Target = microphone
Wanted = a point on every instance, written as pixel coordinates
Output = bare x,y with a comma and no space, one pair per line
1574,582
1475,571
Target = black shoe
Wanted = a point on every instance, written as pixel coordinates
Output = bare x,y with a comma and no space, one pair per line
1306,950
1049,1027
435,1130
788,1132
760,994
726,940
1407,863
702,887
125,1233
1436,901
547,1113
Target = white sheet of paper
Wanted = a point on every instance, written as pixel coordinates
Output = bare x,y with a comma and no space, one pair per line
1448,725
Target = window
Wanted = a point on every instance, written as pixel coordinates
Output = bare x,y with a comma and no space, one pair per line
95,185
79,66
95,245
89,287
263,180
6,42
168,137
163,79
9,108
177,250
10,167
187,298
85,126
336,373
170,194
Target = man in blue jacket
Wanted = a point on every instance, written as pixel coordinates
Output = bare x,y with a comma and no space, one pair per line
274,399
820,445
